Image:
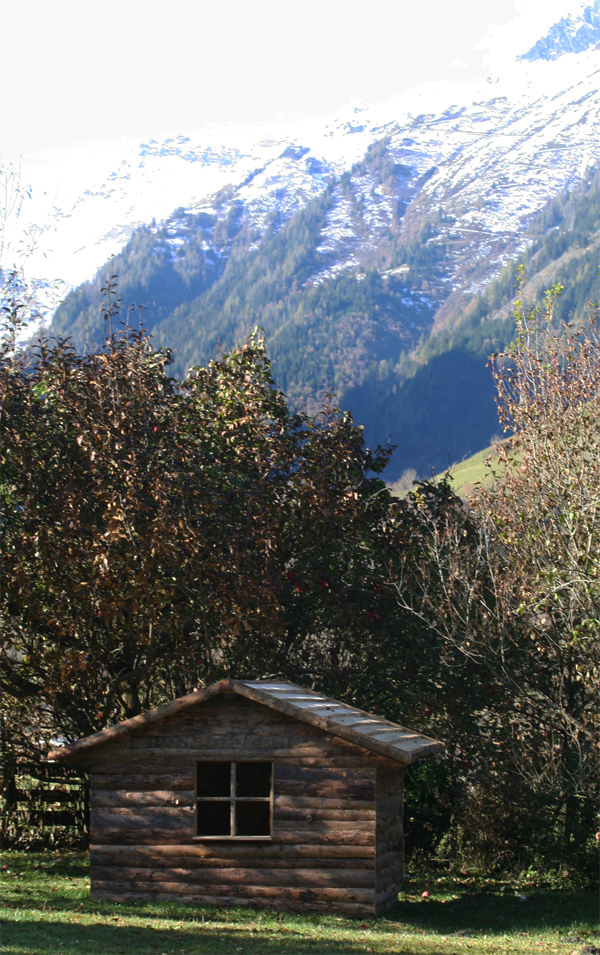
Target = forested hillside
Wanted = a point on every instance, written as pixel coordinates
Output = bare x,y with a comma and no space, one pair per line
402,350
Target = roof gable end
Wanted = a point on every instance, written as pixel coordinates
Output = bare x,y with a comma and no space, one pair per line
339,719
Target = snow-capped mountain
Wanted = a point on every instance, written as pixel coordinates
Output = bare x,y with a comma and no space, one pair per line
488,157
415,205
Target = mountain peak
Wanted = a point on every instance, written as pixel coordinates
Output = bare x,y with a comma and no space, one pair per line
570,34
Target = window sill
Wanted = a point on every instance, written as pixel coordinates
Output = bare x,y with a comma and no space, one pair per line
232,839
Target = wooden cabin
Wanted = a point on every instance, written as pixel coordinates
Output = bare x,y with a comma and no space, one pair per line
250,793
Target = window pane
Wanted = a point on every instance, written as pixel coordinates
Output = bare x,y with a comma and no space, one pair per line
253,779
213,779
214,818
252,819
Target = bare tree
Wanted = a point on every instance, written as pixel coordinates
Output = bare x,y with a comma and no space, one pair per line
511,580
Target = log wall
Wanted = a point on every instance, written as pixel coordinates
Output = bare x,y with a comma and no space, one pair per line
329,849
389,864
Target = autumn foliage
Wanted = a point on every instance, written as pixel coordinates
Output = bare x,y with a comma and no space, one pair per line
158,534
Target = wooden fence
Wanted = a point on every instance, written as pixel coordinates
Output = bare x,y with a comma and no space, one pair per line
44,805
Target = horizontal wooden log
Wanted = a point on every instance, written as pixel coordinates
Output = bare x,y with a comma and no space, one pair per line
186,766
141,782
210,746
282,814
148,837
351,774
143,813
172,759
179,817
293,737
132,856
336,762
120,798
261,721
264,877
349,790
329,783
283,893
343,837
222,737
240,850
223,728
321,802
213,746
150,756
304,827
124,894
207,718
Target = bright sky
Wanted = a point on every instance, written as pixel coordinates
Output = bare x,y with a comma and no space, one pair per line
77,71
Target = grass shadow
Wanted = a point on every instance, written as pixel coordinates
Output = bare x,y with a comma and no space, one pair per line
469,910
46,938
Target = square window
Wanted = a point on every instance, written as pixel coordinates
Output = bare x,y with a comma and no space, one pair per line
233,800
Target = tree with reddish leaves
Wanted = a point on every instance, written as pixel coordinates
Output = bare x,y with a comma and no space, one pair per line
158,534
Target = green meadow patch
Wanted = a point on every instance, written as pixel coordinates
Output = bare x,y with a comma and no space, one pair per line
472,471
47,910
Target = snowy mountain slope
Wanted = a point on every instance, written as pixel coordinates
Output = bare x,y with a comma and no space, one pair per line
276,175
350,242
478,172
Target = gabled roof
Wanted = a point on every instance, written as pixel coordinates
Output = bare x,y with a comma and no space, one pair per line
346,722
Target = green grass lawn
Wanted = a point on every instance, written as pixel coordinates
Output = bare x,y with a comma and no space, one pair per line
47,910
